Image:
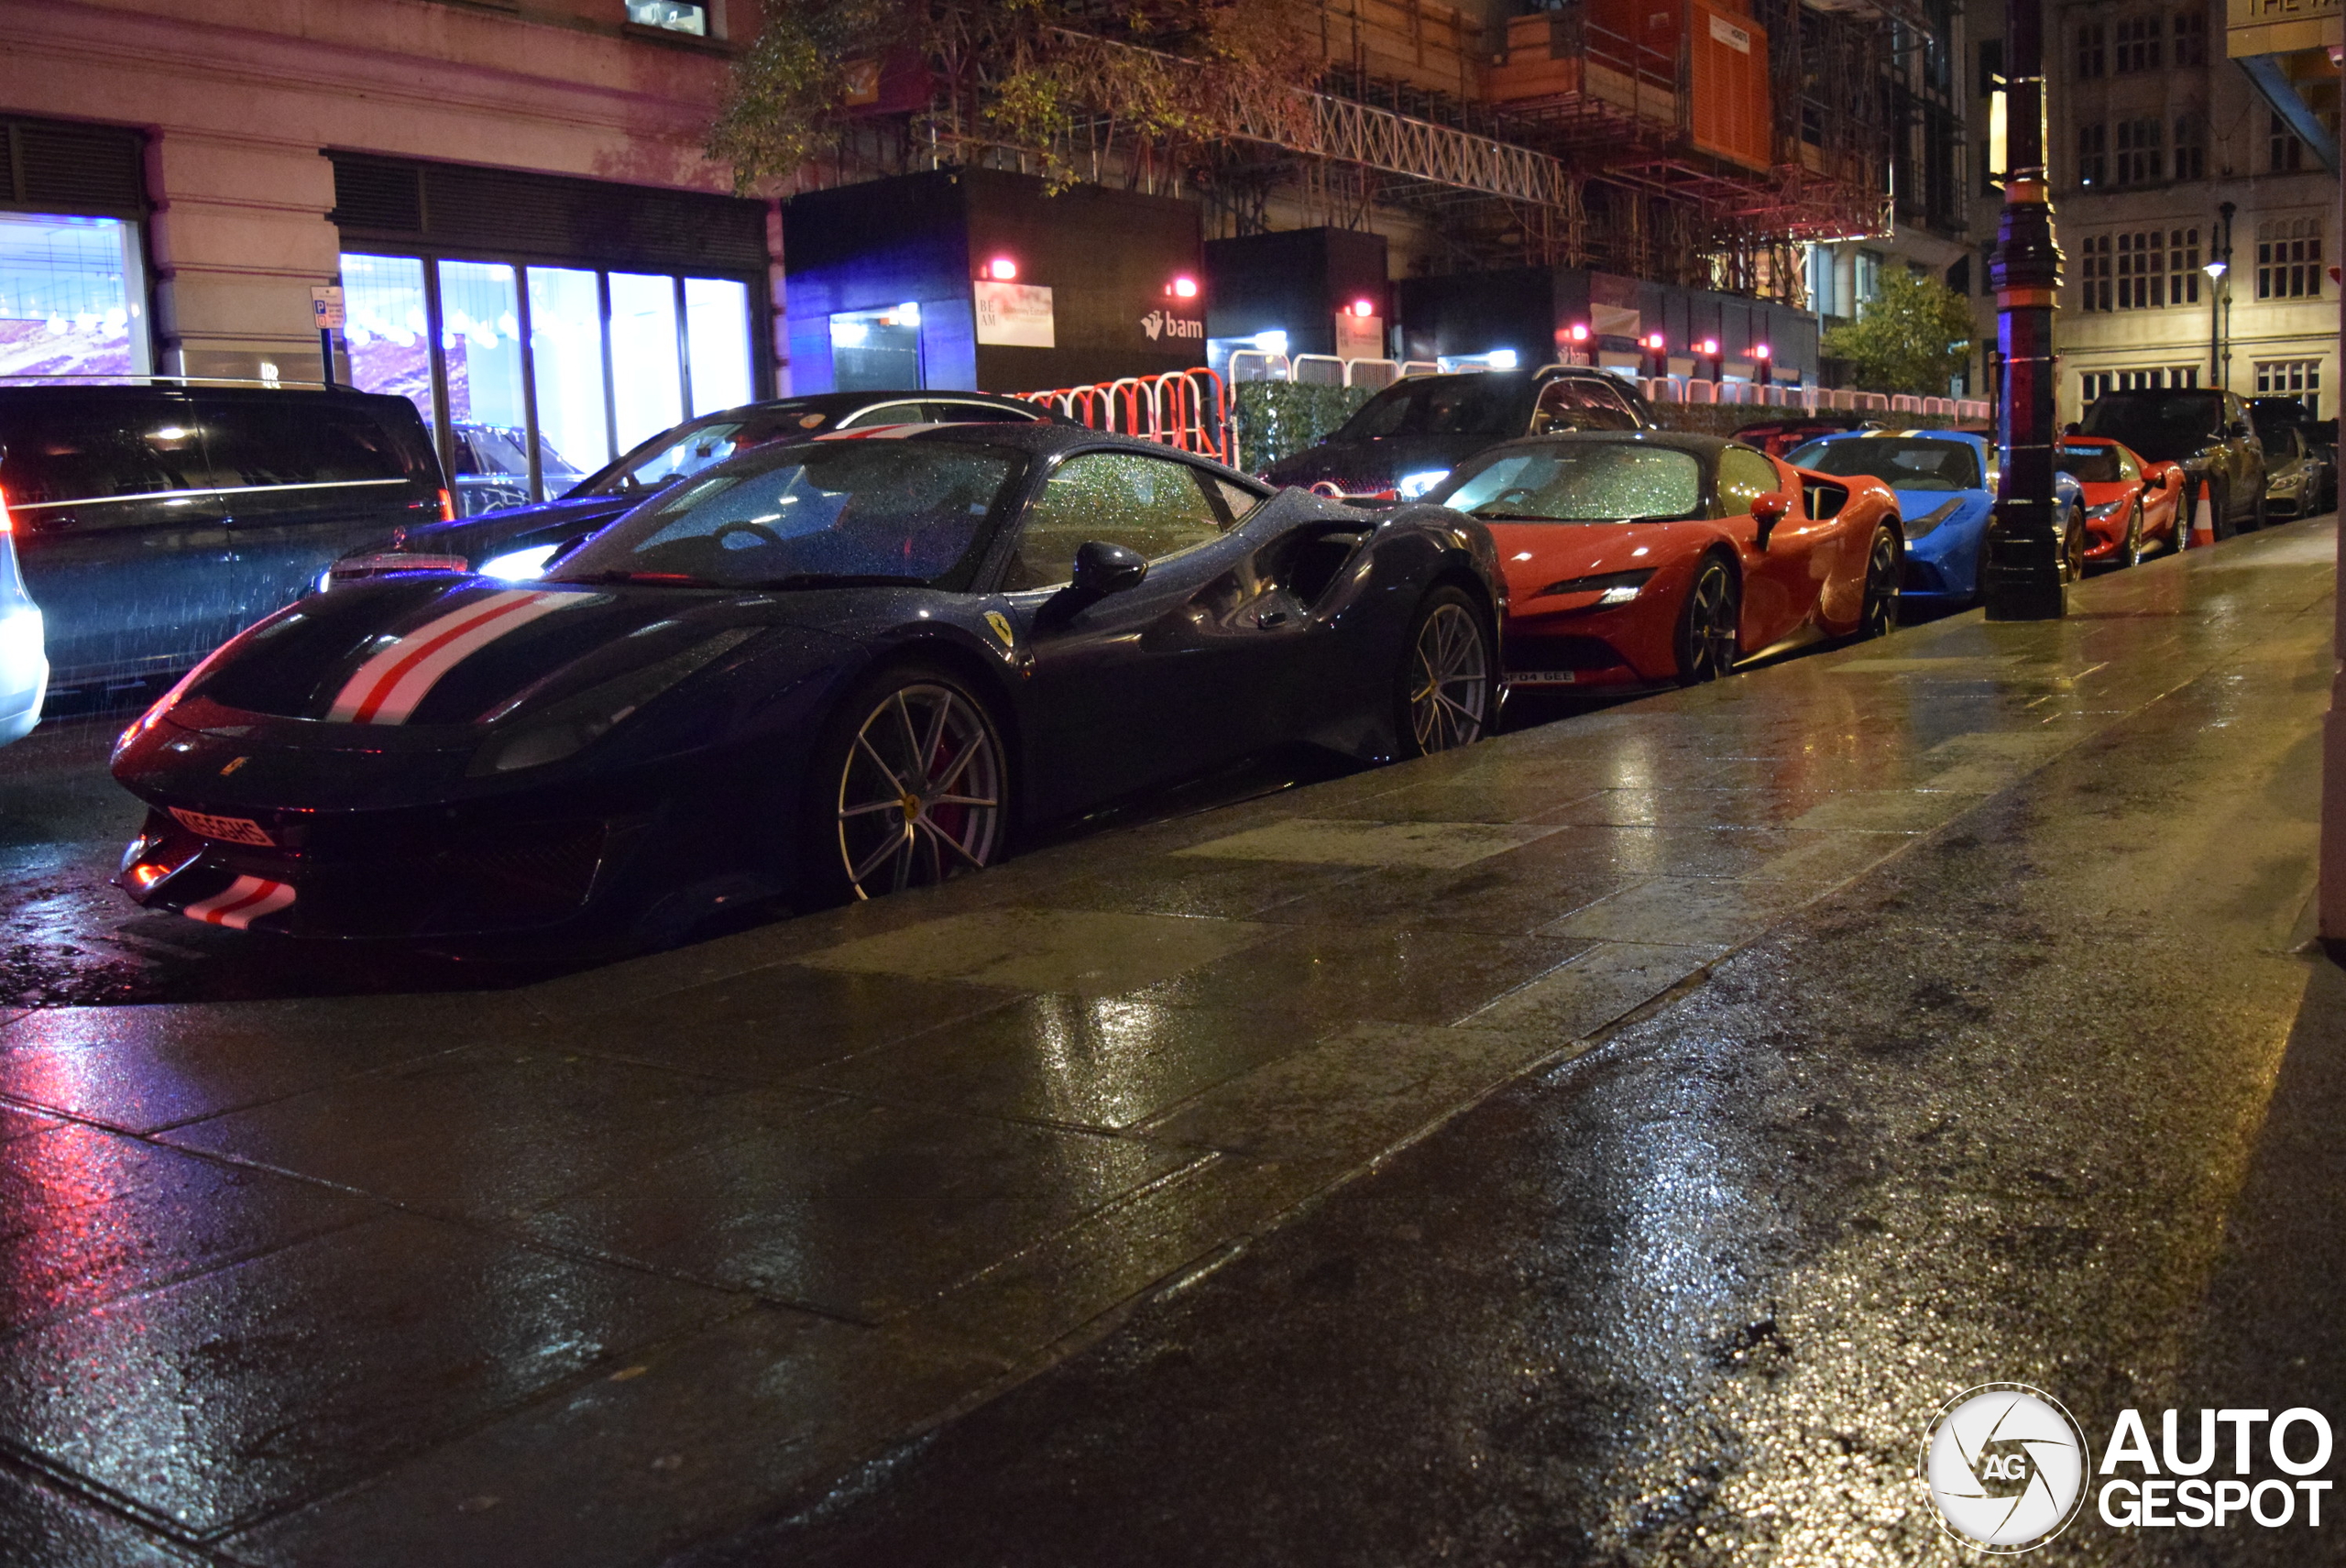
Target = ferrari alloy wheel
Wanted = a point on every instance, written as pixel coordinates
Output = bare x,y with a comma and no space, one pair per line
1880,615
2129,550
2073,548
1708,626
919,788
1446,680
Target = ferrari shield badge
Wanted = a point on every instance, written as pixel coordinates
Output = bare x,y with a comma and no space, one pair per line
1001,624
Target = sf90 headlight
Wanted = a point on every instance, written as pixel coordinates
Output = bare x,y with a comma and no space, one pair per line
1611,587
577,722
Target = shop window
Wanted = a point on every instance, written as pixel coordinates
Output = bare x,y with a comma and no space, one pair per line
671,15
2299,378
566,360
610,361
72,297
716,340
874,350
2289,258
386,329
647,384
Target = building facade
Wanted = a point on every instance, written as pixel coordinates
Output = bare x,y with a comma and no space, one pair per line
2198,222
510,194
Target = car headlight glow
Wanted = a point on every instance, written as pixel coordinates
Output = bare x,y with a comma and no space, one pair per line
1413,486
519,565
1610,587
2110,508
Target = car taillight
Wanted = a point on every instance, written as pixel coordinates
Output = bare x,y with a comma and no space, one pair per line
7,523
447,506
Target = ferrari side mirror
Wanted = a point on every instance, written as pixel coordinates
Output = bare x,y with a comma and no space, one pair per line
1768,510
1101,569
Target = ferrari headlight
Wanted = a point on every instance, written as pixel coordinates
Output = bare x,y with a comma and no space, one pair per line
2108,508
1413,486
519,565
1610,587
576,723
1917,527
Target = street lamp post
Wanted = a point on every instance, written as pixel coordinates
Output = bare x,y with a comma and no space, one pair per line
2220,262
2024,580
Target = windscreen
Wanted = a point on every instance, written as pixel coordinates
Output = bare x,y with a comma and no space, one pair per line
811,515
2158,424
1600,482
1903,463
1475,404
686,450
2092,465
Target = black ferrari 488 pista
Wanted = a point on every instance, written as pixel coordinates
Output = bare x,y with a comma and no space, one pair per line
817,672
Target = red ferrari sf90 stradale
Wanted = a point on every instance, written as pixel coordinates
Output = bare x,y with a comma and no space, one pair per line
1639,557
2131,505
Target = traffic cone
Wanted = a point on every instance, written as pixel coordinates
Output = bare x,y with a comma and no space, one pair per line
2203,521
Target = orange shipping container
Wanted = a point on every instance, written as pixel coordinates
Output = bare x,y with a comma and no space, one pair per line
1731,114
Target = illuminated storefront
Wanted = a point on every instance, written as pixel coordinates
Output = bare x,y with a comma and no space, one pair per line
72,277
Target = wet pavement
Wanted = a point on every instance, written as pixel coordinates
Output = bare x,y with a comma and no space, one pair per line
1606,1145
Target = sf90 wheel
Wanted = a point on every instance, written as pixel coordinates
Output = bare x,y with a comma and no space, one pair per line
2074,537
910,787
1446,684
1709,626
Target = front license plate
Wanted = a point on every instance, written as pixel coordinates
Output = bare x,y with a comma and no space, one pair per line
226,829
1544,677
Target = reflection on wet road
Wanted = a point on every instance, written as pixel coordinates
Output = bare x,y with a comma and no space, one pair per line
1605,1145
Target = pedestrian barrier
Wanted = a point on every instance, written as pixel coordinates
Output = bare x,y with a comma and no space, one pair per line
1186,410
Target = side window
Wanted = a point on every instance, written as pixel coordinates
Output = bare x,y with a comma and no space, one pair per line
284,438
62,449
1744,476
1154,505
888,413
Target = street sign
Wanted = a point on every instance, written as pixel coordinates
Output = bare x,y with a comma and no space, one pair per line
325,303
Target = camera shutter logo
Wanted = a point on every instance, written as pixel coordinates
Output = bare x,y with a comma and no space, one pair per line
2005,1464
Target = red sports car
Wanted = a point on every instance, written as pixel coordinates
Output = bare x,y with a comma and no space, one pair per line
1637,555
2129,503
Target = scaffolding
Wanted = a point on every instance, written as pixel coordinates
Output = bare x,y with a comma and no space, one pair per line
1607,170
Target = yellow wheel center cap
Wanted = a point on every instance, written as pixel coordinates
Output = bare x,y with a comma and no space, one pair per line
911,806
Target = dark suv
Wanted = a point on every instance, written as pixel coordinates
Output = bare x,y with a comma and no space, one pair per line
2204,429
1406,439
155,521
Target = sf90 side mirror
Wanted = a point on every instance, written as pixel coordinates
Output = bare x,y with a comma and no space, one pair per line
1768,510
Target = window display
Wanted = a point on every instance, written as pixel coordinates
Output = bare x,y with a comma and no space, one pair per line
73,300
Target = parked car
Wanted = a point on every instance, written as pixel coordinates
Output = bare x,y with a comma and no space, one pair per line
24,658
1405,440
153,522
517,542
2207,432
2299,482
2319,440
1945,482
824,670
1634,557
1780,438
2129,503
492,469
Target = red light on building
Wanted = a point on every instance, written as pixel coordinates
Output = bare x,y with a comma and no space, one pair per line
1580,332
1364,308
1759,351
1002,270
1656,343
1710,345
1183,288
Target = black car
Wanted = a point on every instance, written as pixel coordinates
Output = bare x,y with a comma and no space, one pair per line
1405,439
2207,431
517,542
823,670
154,520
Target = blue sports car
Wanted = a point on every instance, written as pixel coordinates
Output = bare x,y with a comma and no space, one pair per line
1946,484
